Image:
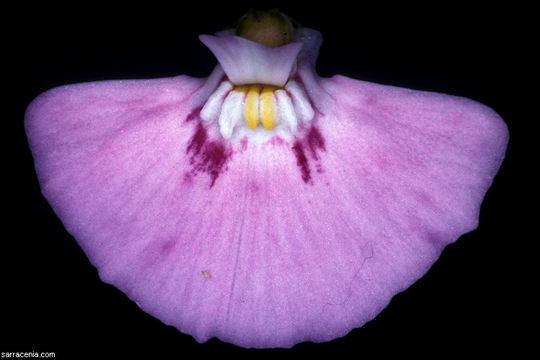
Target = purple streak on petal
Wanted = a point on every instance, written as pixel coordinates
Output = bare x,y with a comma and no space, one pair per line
209,156
314,141
194,114
197,141
302,161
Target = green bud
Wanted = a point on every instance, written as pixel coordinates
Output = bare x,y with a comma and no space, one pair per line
271,28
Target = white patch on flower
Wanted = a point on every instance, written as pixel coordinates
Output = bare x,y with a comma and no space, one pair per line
231,113
257,111
302,106
212,107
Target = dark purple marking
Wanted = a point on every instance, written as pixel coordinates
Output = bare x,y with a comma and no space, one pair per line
302,161
197,142
313,141
193,114
209,156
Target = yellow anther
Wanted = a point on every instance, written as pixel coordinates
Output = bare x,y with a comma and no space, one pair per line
252,107
259,105
267,107
242,89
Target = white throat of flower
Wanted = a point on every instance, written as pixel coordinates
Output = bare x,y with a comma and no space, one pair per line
258,111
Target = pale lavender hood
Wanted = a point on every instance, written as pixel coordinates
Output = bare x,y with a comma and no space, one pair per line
247,62
271,245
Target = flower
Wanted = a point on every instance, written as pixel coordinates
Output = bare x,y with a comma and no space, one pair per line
263,205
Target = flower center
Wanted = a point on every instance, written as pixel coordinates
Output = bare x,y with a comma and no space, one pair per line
259,106
256,108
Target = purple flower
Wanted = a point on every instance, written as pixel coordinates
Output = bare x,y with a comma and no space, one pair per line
263,205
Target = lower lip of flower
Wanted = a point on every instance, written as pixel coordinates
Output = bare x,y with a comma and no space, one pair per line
258,107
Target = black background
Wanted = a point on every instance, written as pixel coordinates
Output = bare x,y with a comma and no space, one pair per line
469,302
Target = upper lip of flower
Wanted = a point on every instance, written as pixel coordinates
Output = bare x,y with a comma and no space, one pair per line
247,62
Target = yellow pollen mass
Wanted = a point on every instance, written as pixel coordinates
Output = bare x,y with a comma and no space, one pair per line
252,107
260,106
242,89
267,107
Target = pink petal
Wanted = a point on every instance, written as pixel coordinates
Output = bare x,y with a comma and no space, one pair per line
269,245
